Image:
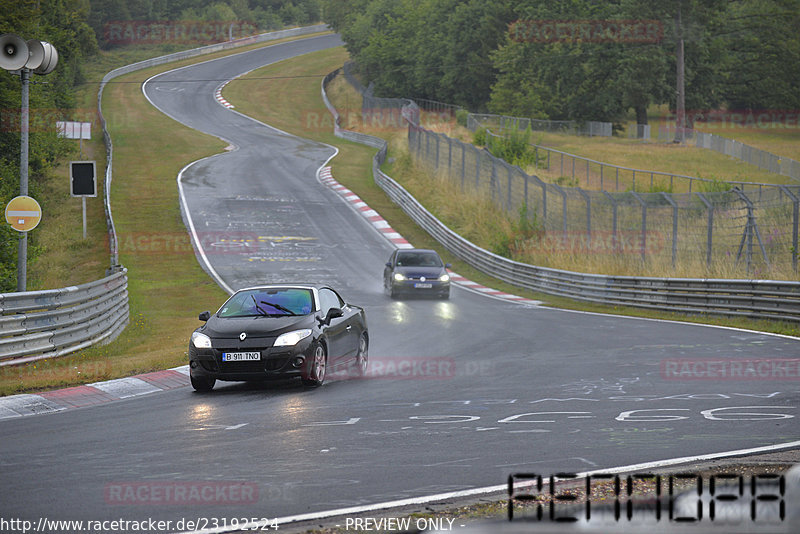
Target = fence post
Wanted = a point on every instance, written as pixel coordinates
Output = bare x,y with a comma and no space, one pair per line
436,137
508,195
449,155
587,173
614,241
601,178
674,227
478,170
525,188
463,164
710,209
563,209
427,145
644,222
750,230
588,216
493,183
795,217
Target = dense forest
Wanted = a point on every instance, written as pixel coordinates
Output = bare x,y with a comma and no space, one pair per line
79,29
583,59
260,15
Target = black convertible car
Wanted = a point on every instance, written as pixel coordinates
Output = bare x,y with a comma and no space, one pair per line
279,331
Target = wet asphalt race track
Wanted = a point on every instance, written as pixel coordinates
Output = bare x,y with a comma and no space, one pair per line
495,387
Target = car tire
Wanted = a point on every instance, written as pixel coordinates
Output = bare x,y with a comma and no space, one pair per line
362,356
445,296
202,384
318,369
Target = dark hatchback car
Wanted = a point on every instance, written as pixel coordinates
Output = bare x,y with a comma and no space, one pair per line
279,331
415,271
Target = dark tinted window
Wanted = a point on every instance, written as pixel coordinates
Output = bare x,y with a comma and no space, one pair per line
418,259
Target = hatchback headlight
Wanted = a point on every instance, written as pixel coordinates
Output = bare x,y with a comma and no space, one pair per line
444,278
201,341
399,277
290,339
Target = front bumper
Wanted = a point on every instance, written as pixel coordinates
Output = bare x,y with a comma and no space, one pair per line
275,362
428,287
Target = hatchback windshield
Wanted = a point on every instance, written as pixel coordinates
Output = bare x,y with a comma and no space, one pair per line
270,302
418,259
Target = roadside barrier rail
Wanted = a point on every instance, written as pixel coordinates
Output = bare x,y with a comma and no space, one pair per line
46,324
50,323
757,299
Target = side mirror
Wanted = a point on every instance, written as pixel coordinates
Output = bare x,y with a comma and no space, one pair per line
205,316
448,265
389,264
333,313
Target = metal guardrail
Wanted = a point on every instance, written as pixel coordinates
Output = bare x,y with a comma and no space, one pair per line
50,323
46,324
759,299
177,56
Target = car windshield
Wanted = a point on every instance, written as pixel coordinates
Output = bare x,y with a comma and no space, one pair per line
269,302
418,259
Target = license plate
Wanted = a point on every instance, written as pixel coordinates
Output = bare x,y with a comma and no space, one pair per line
241,356
423,286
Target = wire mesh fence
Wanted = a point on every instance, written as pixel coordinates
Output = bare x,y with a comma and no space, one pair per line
730,147
589,128
572,170
723,231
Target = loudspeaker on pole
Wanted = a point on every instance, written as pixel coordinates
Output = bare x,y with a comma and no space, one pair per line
13,52
43,57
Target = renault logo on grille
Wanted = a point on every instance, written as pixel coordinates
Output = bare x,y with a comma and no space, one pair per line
242,336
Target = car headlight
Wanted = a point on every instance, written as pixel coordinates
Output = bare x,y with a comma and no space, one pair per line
290,339
444,278
201,341
399,277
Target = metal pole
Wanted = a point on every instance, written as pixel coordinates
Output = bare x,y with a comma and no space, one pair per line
674,227
710,226
795,216
613,220
83,204
644,223
588,216
22,250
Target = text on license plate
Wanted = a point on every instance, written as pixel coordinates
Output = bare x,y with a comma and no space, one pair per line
240,356
423,286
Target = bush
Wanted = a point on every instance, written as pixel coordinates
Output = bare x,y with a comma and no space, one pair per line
461,117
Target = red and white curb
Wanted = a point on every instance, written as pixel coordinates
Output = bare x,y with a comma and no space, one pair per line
380,224
93,394
220,99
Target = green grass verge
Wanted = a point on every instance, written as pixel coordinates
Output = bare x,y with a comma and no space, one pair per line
167,287
353,168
